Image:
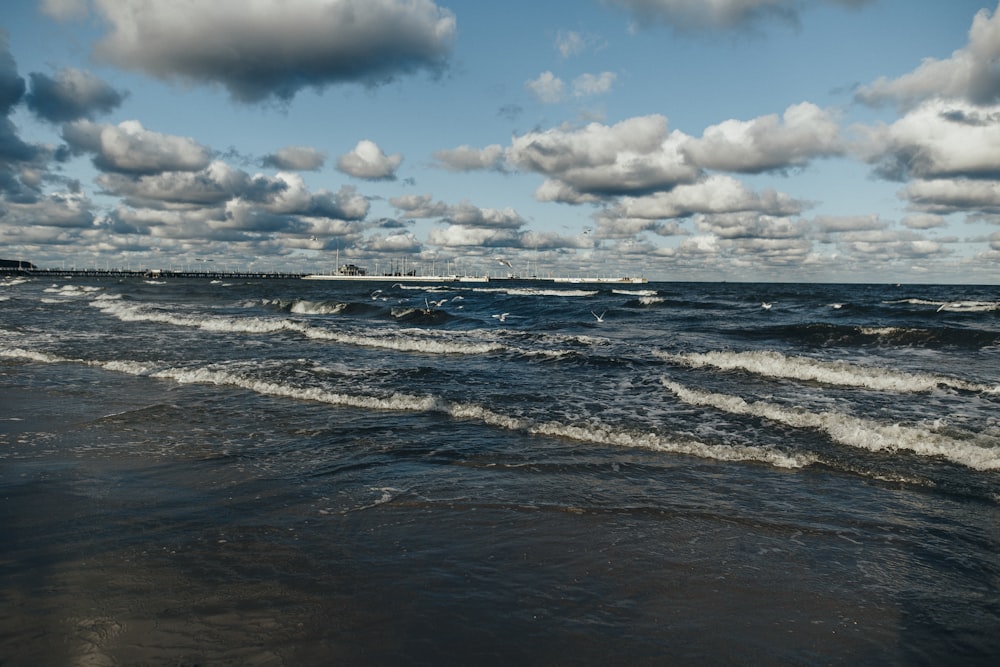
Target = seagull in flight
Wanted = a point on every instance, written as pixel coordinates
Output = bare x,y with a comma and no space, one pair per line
502,317
600,318
766,305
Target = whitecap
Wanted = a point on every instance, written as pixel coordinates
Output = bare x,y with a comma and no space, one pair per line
768,363
975,451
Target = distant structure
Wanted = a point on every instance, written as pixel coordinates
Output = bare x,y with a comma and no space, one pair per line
351,270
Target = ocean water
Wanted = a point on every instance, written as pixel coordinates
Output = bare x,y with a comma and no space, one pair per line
287,472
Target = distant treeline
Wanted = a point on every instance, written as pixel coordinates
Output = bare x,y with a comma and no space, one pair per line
16,264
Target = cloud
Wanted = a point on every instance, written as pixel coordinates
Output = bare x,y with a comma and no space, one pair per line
943,196
715,194
12,86
751,225
393,243
767,143
71,95
464,214
272,50
938,139
570,43
633,157
420,206
462,236
548,88
64,210
828,224
923,221
227,204
971,74
587,85
367,161
468,158
472,216
717,14
213,185
889,245
130,148
19,161
298,158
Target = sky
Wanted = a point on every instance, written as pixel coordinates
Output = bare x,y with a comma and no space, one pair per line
736,140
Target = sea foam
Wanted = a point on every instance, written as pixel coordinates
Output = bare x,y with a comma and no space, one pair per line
594,433
774,364
977,451
409,341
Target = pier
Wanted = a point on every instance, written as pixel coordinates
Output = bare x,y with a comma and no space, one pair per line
155,274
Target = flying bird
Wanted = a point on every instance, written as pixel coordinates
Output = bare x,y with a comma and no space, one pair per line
502,317
600,318
766,305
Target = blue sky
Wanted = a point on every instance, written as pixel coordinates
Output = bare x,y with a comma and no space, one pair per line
773,140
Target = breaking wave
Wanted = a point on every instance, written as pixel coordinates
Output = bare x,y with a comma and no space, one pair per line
776,365
597,433
977,451
411,341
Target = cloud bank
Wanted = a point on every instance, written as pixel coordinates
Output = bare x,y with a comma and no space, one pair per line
272,50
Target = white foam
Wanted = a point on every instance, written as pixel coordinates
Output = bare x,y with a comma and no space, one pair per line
970,306
635,292
958,306
33,355
774,364
593,433
976,451
72,290
537,291
408,341
881,331
651,300
304,307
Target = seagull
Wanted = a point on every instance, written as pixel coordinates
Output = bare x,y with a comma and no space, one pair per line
376,293
438,304
766,305
600,318
502,317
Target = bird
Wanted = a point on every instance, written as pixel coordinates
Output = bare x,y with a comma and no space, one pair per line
502,317
766,305
600,318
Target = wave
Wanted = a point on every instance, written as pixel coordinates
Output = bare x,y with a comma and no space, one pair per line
537,291
970,306
635,292
959,306
72,290
975,451
399,402
303,307
838,373
822,333
411,341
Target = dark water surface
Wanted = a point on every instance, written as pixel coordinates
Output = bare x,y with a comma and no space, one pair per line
297,472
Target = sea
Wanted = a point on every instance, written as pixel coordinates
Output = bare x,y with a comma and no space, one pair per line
293,472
